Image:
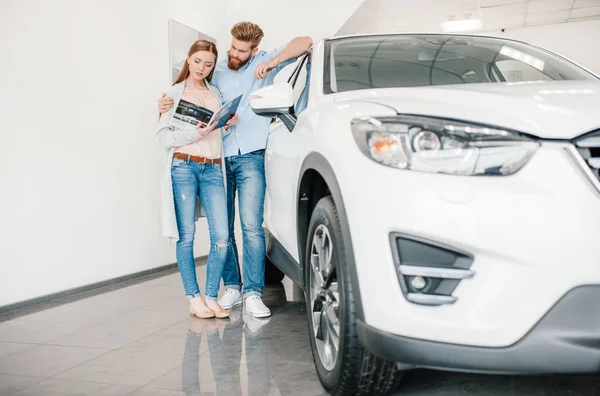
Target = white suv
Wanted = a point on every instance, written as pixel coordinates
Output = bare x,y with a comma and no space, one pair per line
438,199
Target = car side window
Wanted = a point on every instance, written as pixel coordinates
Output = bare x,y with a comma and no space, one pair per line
515,71
301,84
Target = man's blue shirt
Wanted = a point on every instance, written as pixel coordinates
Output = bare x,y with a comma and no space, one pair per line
252,131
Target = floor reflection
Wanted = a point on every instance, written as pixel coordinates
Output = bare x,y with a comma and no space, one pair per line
251,356
235,345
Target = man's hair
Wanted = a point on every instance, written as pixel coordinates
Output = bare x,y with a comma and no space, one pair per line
248,32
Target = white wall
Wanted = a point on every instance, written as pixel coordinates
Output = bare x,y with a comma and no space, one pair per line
577,41
80,169
282,20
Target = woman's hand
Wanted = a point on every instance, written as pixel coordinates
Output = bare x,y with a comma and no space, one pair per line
204,129
165,104
232,121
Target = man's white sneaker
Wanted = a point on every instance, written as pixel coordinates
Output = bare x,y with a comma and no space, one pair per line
256,308
231,298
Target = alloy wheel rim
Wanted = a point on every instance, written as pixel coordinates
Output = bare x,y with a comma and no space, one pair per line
325,298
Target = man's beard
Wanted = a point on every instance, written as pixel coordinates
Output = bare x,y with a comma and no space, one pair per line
236,65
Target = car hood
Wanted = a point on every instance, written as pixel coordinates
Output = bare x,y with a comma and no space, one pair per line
551,110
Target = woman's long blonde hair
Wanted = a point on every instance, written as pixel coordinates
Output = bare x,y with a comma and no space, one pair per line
200,45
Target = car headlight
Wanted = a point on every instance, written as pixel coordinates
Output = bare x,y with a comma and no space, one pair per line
442,146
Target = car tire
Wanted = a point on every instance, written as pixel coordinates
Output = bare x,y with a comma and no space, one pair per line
349,370
273,275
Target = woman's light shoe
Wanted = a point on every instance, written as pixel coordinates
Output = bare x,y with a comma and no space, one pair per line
203,315
222,314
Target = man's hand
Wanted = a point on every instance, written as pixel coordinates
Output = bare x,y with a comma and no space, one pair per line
297,47
165,104
204,129
263,69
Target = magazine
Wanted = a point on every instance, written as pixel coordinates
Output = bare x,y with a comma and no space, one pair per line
188,115
227,110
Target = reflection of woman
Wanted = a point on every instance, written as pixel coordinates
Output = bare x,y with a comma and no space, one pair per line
190,368
224,353
195,169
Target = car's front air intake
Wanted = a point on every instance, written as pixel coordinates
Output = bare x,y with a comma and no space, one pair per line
429,272
589,148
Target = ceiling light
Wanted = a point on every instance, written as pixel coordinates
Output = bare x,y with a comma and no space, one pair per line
461,26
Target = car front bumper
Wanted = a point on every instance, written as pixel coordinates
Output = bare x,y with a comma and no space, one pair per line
565,340
533,237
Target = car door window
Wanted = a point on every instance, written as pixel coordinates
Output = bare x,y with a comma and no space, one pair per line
301,83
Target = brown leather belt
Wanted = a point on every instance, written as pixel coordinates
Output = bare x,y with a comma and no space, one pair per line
195,158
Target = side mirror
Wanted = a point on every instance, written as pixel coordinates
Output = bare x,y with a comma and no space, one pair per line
276,100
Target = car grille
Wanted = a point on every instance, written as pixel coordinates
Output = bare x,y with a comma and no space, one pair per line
589,149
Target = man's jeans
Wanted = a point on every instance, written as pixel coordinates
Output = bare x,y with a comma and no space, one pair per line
192,179
246,175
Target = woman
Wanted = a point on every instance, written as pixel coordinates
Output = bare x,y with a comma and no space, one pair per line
195,168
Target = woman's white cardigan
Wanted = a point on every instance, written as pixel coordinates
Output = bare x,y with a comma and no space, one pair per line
171,137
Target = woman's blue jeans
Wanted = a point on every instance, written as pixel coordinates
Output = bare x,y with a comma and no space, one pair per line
192,180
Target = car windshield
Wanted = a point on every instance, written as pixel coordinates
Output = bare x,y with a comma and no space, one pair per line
419,60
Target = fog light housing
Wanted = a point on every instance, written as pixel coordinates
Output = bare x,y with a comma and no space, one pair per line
429,272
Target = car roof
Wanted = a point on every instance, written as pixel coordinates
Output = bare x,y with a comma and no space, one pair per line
421,34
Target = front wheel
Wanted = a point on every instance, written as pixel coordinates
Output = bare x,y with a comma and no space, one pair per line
343,366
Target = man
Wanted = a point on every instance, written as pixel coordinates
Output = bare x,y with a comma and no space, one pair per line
245,70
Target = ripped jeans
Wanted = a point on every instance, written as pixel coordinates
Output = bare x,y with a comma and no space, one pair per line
190,180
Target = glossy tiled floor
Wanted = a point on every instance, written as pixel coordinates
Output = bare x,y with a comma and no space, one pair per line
138,339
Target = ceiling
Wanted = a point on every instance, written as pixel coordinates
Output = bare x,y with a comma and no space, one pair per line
375,16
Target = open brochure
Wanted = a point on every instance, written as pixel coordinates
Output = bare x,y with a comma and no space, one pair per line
188,115
227,110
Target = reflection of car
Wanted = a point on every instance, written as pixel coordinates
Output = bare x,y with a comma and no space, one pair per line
438,199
